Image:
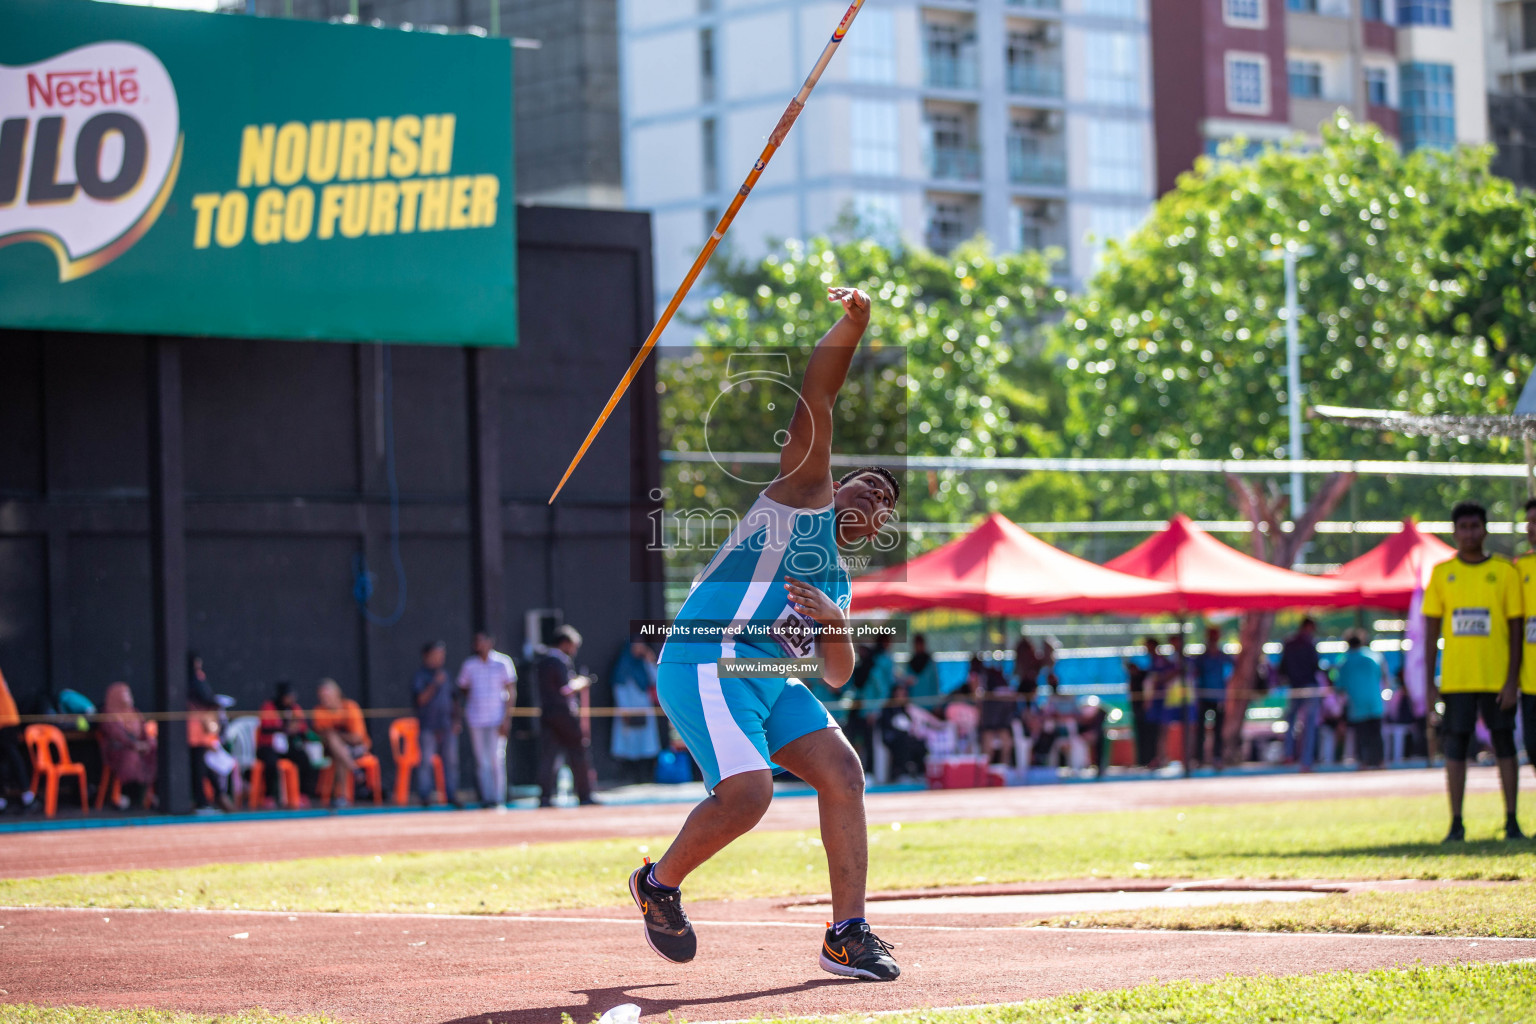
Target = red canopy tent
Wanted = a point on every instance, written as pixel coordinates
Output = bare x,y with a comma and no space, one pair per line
999,569
1389,573
1209,576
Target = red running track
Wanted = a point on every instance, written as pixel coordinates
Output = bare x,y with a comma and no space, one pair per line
756,958
209,841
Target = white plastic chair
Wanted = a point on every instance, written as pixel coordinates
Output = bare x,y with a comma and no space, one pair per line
966,719
241,736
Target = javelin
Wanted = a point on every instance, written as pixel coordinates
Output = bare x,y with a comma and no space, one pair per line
775,140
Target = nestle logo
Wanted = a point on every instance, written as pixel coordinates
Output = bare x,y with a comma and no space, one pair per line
83,88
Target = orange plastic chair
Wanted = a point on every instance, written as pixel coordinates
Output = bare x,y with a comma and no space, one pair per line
405,744
287,784
41,741
370,769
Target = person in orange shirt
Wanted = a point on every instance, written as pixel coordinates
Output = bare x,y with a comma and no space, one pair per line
206,751
15,768
281,736
340,726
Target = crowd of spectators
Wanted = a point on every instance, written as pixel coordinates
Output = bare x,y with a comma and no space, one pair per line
326,745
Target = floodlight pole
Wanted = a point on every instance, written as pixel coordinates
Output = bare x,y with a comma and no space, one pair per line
1290,254
1293,379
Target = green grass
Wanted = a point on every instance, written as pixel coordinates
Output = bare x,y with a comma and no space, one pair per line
1507,910
1461,994
1377,838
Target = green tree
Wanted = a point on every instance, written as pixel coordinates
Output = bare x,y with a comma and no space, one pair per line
1420,294
952,364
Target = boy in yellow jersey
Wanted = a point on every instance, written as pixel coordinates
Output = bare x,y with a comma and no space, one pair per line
1475,600
1525,566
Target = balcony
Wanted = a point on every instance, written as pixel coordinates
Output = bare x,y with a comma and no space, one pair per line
1035,78
954,163
942,237
1036,5
1030,166
946,72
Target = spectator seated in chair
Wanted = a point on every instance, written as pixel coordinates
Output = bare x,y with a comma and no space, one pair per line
905,728
213,767
128,747
962,711
280,737
15,766
339,724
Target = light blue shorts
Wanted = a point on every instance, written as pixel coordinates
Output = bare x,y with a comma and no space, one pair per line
734,725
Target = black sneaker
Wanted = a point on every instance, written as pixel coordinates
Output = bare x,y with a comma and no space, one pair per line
859,953
1457,834
666,922
1512,829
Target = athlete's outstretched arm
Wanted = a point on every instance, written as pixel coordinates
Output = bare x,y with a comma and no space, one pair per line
805,479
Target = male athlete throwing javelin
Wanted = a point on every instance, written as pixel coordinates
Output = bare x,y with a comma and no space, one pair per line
769,588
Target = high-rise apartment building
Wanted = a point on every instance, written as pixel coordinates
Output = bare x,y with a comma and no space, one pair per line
567,88
1026,120
1272,69
1511,52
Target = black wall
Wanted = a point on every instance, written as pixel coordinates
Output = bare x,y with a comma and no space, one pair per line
283,459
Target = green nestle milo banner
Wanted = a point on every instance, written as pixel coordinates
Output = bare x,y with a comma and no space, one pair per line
165,172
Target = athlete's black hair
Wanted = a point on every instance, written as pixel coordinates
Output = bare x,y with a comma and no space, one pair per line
1530,503
1468,508
880,471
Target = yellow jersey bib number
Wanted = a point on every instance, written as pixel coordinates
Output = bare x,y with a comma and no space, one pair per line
1472,622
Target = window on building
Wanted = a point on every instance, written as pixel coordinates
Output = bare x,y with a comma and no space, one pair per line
711,216
707,65
878,215
946,130
1112,68
951,55
1528,25
949,224
1428,105
709,145
1112,8
1424,12
1248,83
1034,64
1378,87
1302,6
1112,223
1115,156
874,137
872,49
1373,10
1306,79
1246,13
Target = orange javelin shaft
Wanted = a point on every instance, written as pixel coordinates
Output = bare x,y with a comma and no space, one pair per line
775,140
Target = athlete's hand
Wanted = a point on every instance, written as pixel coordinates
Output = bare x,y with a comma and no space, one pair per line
1509,697
812,602
856,303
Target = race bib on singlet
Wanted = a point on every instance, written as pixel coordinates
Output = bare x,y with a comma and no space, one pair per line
1530,630
1472,622
795,632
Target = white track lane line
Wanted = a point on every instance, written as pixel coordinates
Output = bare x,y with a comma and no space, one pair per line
631,921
